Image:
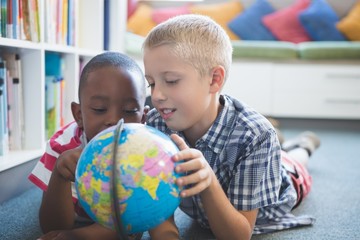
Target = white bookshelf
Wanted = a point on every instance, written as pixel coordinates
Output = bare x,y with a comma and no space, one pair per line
32,54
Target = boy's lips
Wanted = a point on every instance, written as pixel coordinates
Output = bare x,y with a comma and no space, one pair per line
166,113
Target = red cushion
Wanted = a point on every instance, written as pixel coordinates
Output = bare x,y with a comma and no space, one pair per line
284,24
162,14
132,5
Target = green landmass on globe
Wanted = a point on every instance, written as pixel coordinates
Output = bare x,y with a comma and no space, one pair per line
146,193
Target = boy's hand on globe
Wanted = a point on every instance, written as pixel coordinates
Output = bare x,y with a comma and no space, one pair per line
197,169
66,163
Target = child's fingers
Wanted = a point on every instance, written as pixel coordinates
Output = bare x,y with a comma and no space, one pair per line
195,177
201,180
179,141
187,166
187,154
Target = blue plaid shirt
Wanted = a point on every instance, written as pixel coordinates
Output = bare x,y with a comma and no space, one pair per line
242,148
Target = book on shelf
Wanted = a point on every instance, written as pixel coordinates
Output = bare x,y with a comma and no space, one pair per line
4,136
15,101
3,17
71,23
33,6
64,30
15,19
50,21
60,21
54,93
9,19
26,32
20,19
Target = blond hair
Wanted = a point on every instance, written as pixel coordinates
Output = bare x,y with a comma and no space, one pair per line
196,39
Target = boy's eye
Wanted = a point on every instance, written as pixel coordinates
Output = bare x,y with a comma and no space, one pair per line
172,82
131,111
99,110
151,85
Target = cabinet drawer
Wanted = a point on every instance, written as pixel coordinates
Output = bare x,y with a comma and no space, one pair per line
317,91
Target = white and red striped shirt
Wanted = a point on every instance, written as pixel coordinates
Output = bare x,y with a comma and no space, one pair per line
68,137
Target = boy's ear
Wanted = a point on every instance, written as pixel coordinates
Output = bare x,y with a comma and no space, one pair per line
146,110
217,79
76,112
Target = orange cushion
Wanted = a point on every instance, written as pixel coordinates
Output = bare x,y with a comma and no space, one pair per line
140,21
350,24
222,13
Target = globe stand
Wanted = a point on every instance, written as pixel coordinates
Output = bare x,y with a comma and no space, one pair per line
120,230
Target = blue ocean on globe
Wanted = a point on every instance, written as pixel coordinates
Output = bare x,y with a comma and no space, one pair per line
144,187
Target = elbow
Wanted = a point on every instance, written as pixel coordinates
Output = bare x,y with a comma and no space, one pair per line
53,223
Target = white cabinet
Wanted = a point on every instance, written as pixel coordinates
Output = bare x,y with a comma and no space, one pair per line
251,83
316,90
298,89
90,31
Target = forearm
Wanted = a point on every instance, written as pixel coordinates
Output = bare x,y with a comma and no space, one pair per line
225,221
57,208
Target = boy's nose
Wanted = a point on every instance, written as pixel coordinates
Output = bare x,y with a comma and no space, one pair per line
157,94
113,117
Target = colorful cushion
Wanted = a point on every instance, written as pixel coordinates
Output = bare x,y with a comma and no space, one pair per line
350,25
285,25
222,13
319,20
162,14
140,21
248,25
131,5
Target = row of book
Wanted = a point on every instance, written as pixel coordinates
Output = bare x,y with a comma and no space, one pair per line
19,19
12,117
60,18
54,93
11,104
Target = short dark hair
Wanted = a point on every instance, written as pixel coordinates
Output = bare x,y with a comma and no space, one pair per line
107,59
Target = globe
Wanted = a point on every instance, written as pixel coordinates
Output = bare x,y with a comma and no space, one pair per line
126,181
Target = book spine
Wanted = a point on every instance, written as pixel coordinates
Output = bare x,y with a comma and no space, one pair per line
4,137
26,19
33,24
20,113
15,102
21,21
9,20
59,21
3,17
15,17
70,27
37,20
65,22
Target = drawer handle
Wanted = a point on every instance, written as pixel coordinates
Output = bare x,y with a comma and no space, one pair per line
342,101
